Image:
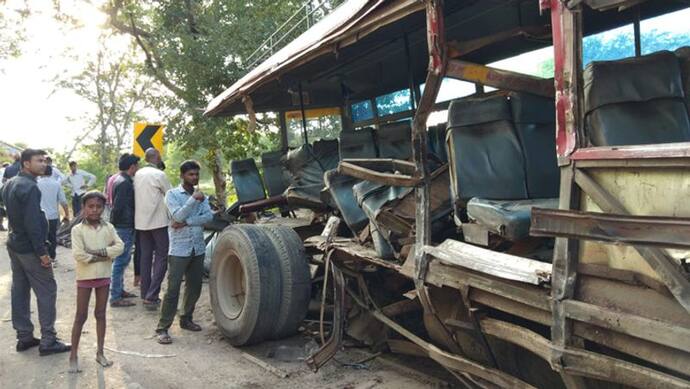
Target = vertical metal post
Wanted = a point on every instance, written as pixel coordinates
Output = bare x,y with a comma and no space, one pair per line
375,111
304,114
283,131
636,28
567,39
307,7
410,73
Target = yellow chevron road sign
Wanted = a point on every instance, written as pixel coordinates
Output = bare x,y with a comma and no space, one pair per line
147,135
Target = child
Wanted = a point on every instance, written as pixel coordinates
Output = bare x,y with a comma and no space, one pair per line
94,245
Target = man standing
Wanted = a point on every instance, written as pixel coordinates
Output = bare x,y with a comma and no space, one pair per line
122,218
31,268
190,210
151,221
52,196
80,181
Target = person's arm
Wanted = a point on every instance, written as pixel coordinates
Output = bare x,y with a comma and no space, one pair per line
58,174
116,247
78,249
205,216
91,179
32,218
180,210
63,202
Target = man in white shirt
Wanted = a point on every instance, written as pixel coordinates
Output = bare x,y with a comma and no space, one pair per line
151,222
52,196
80,181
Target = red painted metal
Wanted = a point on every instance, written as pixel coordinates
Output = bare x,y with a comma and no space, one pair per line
565,140
665,150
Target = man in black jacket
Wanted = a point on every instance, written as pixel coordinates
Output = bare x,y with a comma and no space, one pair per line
122,218
30,262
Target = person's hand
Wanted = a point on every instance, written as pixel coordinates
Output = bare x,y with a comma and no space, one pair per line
198,195
65,220
176,224
84,187
45,261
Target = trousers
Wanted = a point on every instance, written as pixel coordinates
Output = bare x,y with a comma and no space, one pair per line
192,269
153,261
120,263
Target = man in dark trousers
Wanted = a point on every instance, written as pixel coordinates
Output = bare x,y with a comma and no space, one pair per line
30,262
122,218
189,211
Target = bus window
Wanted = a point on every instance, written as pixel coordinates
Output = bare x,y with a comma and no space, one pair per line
324,123
362,111
609,45
537,63
393,103
665,32
451,89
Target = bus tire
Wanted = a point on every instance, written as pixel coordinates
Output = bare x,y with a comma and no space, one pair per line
245,285
296,280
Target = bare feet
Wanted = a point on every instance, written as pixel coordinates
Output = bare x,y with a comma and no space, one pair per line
103,361
74,366
137,280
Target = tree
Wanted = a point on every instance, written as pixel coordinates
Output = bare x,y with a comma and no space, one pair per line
196,49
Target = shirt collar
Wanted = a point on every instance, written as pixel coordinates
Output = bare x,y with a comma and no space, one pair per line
27,175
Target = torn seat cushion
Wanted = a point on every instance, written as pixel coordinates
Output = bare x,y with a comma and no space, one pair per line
509,219
307,165
635,101
340,189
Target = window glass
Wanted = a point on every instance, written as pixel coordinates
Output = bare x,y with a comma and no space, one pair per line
537,63
665,32
321,124
393,102
362,111
452,88
609,45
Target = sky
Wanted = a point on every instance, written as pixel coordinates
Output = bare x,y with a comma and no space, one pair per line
35,114
32,112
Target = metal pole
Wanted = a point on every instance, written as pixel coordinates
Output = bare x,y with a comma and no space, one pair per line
636,28
410,74
304,114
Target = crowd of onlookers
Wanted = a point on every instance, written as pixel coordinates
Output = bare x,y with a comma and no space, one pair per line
138,214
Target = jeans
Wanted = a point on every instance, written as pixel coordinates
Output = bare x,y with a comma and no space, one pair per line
154,261
192,269
28,274
120,263
52,237
76,204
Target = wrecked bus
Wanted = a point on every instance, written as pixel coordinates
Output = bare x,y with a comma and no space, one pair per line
535,238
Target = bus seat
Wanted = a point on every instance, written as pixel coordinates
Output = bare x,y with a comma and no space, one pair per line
394,140
502,160
635,101
307,165
340,188
275,177
357,144
247,180
683,54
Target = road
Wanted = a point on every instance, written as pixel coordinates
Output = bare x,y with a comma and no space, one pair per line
194,360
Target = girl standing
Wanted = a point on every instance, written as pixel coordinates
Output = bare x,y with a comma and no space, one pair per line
94,245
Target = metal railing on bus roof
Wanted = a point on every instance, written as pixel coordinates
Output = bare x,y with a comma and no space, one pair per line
310,15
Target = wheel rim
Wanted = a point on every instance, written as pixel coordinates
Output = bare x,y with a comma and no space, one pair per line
231,287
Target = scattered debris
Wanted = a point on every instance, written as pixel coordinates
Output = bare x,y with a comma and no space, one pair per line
138,354
268,367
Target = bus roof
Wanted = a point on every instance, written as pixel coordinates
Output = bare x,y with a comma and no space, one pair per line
366,48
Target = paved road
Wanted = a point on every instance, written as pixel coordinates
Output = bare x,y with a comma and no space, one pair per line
195,360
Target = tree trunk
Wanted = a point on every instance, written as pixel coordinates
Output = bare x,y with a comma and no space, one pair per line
219,178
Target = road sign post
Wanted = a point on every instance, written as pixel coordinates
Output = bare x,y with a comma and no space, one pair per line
147,135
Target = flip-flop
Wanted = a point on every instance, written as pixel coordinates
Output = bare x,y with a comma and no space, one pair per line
122,303
127,295
103,361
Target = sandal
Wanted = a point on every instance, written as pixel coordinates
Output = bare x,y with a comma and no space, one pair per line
127,295
164,338
121,303
103,361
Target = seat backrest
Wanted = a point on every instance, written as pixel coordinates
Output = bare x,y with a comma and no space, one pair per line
485,156
275,176
247,180
394,140
534,119
635,101
357,144
307,163
683,54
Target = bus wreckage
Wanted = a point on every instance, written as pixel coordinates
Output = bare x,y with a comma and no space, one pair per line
537,238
